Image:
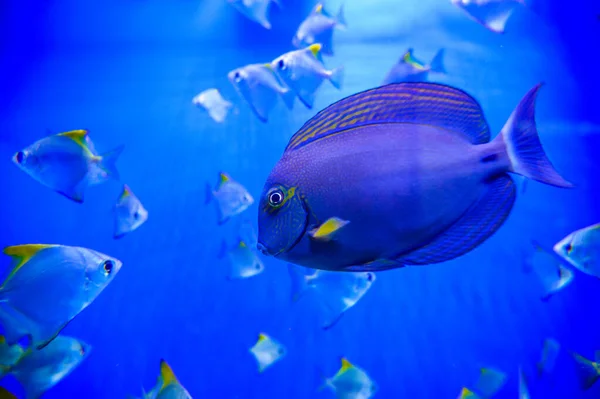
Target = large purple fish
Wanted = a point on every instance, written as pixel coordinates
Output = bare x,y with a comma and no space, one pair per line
411,166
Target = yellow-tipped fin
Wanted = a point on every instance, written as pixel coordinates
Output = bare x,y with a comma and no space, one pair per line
22,253
345,365
223,178
466,393
77,136
315,48
166,374
268,66
262,337
126,191
242,244
318,8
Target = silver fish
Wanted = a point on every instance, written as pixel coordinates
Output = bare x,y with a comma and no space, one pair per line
230,196
129,213
48,286
553,275
258,85
304,72
337,292
167,385
351,382
581,249
40,370
493,14
409,69
318,27
255,10
68,163
212,101
243,261
267,351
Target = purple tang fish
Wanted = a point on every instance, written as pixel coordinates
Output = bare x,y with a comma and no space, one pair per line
411,166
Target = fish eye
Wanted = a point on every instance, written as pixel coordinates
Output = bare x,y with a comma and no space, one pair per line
569,248
281,64
136,215
370,276
20,157
276,198
257,266
237,77
81,350
108,266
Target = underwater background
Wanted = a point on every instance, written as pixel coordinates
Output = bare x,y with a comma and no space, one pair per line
128,70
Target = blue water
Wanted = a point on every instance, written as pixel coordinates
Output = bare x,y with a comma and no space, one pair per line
127,71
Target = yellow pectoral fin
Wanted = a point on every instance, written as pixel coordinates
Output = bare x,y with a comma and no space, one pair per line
329,227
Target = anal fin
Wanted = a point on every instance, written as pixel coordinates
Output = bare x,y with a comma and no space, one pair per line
474,227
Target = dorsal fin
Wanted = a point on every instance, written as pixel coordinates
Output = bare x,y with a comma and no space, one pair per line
407,57
21,255
345,365
126,191
410,102
166,374
78,136
223,178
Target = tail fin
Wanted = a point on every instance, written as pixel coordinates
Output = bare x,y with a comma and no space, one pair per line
437,63
299,281
337,77
523,145
340,19
108,162
288,97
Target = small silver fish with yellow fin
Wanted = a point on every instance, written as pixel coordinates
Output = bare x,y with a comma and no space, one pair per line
581,249
129,213
267,351
231,197
48,286
351,382
167,385
304,72
243,261
318,27
68,163
259,86
409,69
40,370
